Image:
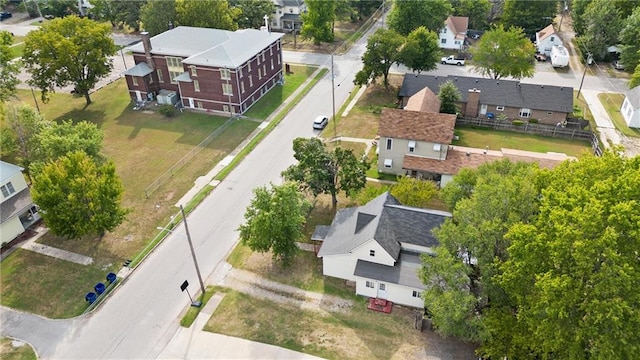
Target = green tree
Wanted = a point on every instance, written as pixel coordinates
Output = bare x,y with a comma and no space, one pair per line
79,197
414,192
275,220
635,78
59,139
60,8
449,96
602,27
630,52
324,171
531,16
317,22
8,69
102,10
573,273
578,8
408,15
67,51
363,9
459,278
20,143
500,53
383,50
420,51
477,11
156,15
126,12
208,14
370,192
252,12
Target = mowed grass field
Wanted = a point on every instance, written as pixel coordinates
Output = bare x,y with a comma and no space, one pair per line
144,145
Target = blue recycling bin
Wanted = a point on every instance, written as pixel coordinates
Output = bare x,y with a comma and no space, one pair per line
491,115
90,297
111,278
99,288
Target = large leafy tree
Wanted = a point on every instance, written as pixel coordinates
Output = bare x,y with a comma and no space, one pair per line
500,53
449,96
252,12
573,273
408,15
59,139
8,69
126,12
414,192
602,27
420,51
275,220
157,15
529,15
459,278
207,13
318,21
79,197
383,50
20,142
69,50
364,8
635,78
325,171
630,52
478,12
578,8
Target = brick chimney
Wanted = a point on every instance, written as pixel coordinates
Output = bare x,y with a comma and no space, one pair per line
146,43
473,102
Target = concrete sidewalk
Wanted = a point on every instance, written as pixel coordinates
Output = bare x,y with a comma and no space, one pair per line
608,133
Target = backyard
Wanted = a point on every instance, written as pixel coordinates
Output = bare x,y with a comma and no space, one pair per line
612,102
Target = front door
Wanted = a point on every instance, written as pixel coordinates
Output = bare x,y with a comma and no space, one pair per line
191,104
138,95
382,291
483,109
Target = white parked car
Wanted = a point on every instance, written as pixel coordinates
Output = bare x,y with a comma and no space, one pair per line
320,122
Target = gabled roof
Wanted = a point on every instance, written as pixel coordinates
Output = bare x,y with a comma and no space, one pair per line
384,220
210,47
501,92
545,33
634,97
404,272
424,100
7,171
415,125
458,24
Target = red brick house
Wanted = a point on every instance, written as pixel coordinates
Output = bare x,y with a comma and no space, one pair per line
207,69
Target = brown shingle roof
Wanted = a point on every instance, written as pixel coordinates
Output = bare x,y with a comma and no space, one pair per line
424,100
459,25
546,32
462,157
415,125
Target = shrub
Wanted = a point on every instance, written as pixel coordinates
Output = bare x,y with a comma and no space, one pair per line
517,122
501,117
167,110
533,121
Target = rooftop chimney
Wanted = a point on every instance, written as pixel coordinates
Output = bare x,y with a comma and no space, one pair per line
146,43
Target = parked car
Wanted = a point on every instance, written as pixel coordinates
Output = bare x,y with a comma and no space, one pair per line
541,57
618,65
451,60
5,15
320,122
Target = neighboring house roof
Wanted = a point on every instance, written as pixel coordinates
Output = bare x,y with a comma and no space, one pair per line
509,93
404,272
291,17
459,157
15,205
415,125
210,47
459,25
141,69
634,97
290,3
545,33
7,171
384,220
424,100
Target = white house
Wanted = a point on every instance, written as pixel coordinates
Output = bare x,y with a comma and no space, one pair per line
631,108
17,211
287,15
454,32
378,246
546,39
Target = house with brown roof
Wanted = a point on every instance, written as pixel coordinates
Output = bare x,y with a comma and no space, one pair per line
546,39
424,100
454,33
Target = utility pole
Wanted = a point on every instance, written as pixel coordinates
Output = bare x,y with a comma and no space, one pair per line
333,101
589,61
193,253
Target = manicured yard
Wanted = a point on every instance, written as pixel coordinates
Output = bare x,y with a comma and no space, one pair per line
612,102
21,351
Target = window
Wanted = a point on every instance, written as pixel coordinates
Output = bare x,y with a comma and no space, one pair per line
500,108
271,51
524,112
456,42
443,41
369,284
7,189
240,72
196,85
258,59
199,105
194,72
134,79
263,56
437,147
225,74
389,143
160,76
278,59
242,86
278,45
388,163
271,64
175,67
249,66
415,294
250,81
412,146
264,70
227,89
549,112
372,253
552,38
259,74
225,108
382,287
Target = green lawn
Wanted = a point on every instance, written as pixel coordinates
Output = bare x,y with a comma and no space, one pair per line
495,140
10,352
612,102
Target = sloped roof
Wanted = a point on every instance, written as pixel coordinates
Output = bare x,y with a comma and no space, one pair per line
634,97
141,69
384,220
210,47
458,24
501,92
8,170
424,100
404,272
545,33
415,125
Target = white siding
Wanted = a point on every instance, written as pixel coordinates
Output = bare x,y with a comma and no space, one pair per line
445,179
10,229
339,266
631,115
18,182
363,253
449,37
400,148
397,294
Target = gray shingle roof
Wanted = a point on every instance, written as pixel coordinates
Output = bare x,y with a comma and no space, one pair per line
634,97
384,220
7,171
141,69
210,47
497,92
404,272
